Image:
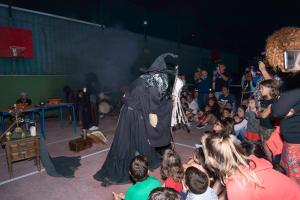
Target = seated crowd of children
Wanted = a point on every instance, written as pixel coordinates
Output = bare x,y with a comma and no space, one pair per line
221,168
239,158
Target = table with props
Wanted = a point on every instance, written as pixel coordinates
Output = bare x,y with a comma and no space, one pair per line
41,110
59,106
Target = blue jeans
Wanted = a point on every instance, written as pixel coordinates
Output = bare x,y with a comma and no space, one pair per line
202,100
240,134
183,195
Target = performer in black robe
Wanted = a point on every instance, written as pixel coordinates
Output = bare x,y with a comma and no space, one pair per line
143,124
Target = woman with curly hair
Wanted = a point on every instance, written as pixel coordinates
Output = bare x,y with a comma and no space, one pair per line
287,107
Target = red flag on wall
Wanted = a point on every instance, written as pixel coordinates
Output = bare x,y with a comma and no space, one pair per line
15,42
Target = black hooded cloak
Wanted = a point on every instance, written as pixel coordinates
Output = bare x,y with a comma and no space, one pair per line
134,134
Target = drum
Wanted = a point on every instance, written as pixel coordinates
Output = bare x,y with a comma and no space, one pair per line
102,96
104,107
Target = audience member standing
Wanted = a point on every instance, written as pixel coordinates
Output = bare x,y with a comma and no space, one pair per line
92,87
255,80
203,85
269,91
246,86
287,107
220,78
253,123
84,109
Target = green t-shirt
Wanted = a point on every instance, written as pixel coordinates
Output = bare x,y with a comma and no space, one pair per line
141,190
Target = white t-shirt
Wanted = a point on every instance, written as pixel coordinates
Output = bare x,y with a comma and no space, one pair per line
241,126
194,106
209,194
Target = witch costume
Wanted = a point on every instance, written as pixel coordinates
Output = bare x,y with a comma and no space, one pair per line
134,134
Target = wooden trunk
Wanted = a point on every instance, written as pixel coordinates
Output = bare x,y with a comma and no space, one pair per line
80,144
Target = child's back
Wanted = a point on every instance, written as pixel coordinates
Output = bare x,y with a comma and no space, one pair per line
141,190
196,183
144,183
171,170
209,194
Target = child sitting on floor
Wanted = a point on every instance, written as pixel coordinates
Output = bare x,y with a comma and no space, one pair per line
144,183
240,124
197,185
164,194
226,113
213,114
202,115
197,161
226,127
171,170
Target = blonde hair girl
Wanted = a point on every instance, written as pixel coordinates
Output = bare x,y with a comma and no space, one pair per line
245,177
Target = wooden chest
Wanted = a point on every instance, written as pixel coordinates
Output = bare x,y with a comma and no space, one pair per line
21,149
80,144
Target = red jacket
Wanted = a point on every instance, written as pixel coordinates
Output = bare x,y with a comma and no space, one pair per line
275,186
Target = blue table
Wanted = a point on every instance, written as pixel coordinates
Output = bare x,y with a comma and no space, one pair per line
61,106
41,110
30,110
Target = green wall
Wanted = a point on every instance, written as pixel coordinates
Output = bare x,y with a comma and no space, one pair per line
38,88
66,50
